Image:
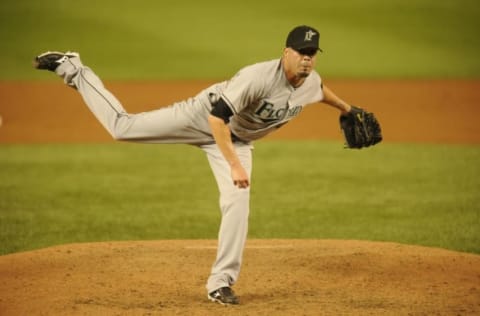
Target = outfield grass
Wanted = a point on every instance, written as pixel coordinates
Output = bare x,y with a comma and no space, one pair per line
415,194
212,39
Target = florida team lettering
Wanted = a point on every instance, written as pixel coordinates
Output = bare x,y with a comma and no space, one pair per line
268,112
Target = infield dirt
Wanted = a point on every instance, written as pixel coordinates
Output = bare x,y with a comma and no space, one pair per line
438,111
279,277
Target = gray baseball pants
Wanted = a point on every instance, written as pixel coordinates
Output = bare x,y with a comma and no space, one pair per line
178,123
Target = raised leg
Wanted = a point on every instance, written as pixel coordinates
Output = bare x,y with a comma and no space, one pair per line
173,124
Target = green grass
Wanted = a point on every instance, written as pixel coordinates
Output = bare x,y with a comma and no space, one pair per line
413,194
212,39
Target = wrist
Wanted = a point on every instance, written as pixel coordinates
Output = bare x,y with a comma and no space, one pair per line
234,163
345,109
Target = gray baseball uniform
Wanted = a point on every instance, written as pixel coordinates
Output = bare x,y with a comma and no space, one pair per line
261,100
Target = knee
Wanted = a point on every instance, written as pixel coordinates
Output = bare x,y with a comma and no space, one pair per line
237,200
121,127
119,135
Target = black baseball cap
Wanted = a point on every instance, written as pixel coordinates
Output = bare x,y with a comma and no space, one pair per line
303,36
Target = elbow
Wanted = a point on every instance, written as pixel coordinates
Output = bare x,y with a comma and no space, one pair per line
218,127
215,121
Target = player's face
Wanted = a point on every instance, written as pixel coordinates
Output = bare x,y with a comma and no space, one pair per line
300,63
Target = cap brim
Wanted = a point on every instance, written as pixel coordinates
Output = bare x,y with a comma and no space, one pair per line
306,46
318,48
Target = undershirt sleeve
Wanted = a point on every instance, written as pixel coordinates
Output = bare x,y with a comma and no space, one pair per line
221,110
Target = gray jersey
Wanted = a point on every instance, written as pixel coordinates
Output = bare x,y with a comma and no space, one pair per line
262,99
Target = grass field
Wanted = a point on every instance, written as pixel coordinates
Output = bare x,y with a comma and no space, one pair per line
415,194
212,39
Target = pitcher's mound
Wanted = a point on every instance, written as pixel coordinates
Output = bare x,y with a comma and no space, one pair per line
279,277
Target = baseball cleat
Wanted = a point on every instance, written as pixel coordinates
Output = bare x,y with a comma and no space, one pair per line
51,60
224,296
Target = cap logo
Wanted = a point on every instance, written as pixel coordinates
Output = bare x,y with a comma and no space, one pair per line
309,35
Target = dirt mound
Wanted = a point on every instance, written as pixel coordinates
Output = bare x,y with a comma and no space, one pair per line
279,277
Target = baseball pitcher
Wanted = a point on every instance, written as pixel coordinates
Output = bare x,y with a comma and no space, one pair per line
223,120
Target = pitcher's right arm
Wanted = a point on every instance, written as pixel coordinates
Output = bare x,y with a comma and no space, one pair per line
222,135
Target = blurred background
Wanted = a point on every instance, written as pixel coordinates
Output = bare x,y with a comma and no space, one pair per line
212,39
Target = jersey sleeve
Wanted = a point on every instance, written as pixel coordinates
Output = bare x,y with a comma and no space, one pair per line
243,89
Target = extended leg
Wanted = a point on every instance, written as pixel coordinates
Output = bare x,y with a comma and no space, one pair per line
173,124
